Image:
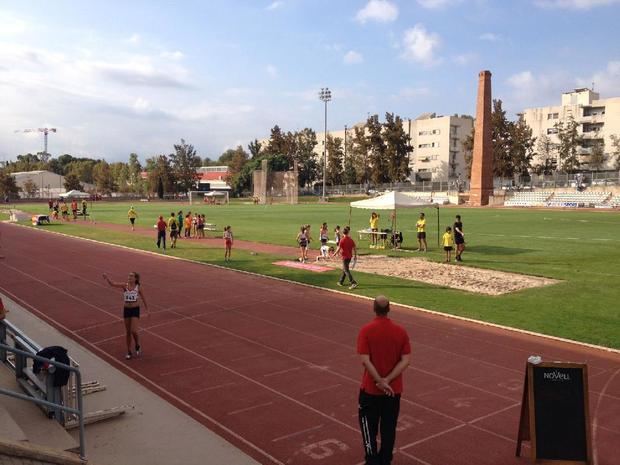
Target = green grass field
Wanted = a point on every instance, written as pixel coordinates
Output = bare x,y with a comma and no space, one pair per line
580,248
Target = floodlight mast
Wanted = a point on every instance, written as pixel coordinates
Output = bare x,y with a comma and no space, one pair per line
325,95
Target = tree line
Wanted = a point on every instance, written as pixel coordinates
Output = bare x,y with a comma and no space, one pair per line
374,152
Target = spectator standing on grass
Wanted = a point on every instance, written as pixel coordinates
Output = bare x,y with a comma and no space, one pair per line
200,226
384,349
337,235
459,238
173,227
50,205
374,228
161,232
324,234
132,214
348,252
180,222
132,294
188,225
302,241
74,209
195,225
447,241
84,208
421,230
64,210
228,242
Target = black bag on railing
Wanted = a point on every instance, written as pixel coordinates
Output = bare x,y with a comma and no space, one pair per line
59,354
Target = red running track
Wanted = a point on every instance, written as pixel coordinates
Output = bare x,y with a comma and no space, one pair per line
271,366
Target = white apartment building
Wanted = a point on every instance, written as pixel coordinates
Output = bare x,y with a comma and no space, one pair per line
437,143
598,119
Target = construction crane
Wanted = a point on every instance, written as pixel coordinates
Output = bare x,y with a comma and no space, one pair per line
45,132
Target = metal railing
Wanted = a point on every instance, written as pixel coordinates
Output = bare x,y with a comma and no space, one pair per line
42,395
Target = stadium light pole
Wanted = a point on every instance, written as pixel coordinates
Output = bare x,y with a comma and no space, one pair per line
325,95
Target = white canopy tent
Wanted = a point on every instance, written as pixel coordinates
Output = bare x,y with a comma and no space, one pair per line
75,195
209,195
393,201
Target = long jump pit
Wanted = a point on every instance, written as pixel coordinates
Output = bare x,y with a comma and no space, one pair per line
455,276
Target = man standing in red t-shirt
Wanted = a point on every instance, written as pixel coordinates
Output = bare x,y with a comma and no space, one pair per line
348,252
384,349
161,232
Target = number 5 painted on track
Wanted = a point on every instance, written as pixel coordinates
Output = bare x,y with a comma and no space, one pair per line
323,449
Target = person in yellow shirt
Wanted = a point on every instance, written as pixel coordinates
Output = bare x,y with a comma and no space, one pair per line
132,214
173,227
421,230
374,228
448,243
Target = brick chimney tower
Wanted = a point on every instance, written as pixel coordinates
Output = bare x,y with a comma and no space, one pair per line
482,164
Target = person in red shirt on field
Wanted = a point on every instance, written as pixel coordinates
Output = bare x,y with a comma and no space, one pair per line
348,251
384,349
161,232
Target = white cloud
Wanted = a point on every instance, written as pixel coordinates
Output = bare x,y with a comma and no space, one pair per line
381,11
490,36
272,71
528,89
574,4
464,58
176,55
606,82
352,58
135,39
436,4
275,5
420,46
12,25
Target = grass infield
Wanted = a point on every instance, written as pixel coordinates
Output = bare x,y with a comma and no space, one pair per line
580,248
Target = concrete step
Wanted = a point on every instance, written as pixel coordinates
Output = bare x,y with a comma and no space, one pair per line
9,429
34,425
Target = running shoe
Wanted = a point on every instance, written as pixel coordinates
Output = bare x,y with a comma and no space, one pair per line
138,350
339,284
353,286
128,356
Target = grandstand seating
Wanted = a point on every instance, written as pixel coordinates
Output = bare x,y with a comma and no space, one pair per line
578,199
528,199
614,202
563,200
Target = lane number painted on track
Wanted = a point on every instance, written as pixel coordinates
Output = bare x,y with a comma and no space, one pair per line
322,449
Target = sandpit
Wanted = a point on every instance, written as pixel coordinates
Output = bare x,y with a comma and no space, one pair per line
453,275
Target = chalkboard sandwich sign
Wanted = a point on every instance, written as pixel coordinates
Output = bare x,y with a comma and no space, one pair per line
554,413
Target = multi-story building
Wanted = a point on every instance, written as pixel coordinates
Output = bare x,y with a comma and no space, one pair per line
598,120
437,143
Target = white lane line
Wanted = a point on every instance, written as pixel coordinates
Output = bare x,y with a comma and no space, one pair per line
247,409
281,372
211,388
176,372
326,388
247,357
297,433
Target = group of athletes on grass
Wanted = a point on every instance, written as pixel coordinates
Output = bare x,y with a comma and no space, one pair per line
453,239
59,208
178,225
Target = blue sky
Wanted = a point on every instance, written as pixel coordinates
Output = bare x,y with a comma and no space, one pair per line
118,77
